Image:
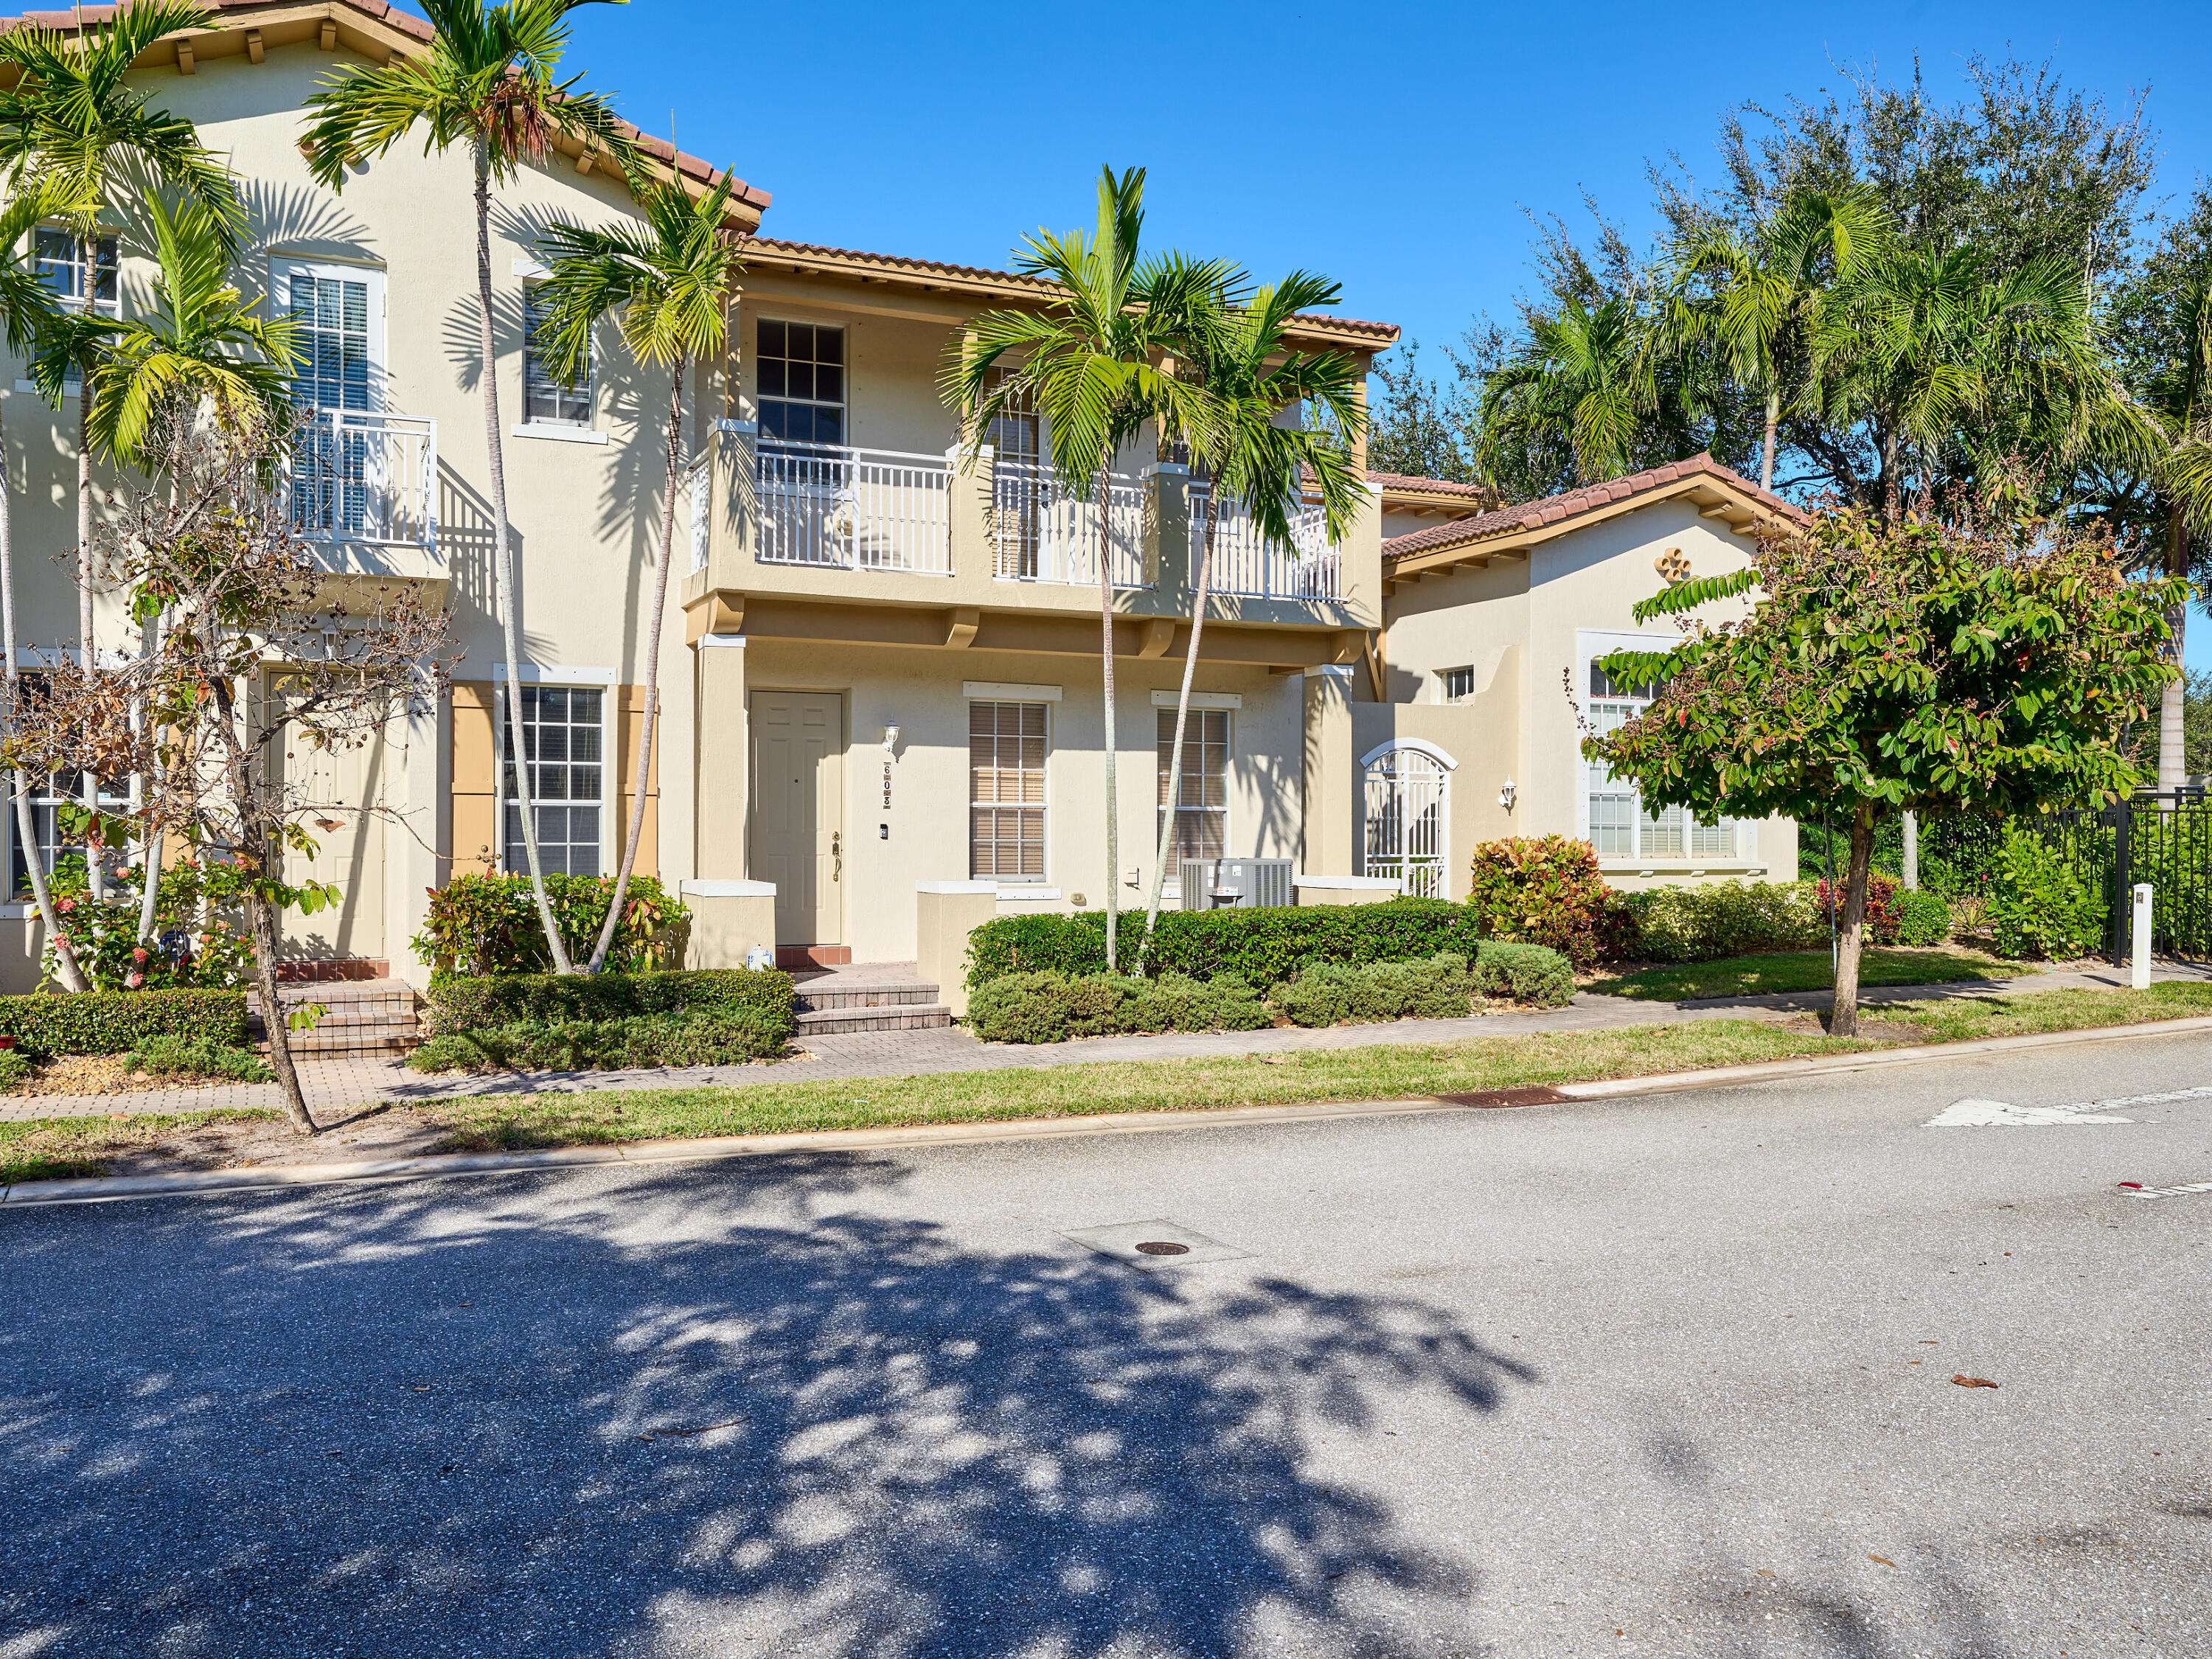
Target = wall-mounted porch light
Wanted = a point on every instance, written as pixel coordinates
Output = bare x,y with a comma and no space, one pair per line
1505,795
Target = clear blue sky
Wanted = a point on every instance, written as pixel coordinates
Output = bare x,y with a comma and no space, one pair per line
1398,148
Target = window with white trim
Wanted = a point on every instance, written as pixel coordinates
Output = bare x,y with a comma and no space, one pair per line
798,381
547,399
1202,808
1619,827
65,262
1006,747
47,799
563,734
1457,685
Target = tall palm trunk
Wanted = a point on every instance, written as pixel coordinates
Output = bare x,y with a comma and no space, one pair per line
95,874
1893,486
510,602
1182,714
1766,449
2172,761
1844,1018
1106,629
26,826
635,828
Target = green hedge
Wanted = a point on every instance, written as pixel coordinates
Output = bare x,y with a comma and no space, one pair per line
716,1036
1717,919
1336,992
1050,1007
2041,905
1259,947
489,925
1532,974
1922,918
112,1022
458,1003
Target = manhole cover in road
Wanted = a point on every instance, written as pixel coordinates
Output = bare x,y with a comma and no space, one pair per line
1155,1244
1529,1096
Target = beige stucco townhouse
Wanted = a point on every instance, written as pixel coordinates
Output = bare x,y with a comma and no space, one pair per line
882,703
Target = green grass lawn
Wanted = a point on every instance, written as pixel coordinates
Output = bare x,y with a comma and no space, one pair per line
1802,970
45,1148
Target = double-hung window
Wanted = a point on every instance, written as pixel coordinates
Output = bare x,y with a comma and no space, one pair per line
1201,804
564,736
1456,684
69,266
1620,825
547,399
799,382
47,799
1006,744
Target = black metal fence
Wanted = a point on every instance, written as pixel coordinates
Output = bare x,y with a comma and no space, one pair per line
2165,839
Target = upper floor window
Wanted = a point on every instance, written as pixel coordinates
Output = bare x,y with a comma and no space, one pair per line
546,399
335,355
67,262
1458,684
800,374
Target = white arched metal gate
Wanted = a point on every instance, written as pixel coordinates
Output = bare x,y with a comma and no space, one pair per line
1408,815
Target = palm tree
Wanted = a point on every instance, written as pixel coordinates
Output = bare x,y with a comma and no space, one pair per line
668,281
1238,355
1764,293
68,126
1088,363
487,82
201,348
2178,398
1578,394
1939,352
26,309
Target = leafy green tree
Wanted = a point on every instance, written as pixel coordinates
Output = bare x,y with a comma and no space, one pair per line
1088,361
71,126
1949,667
1238,356
488,83
1577,397
1754,299
1417,428
668,281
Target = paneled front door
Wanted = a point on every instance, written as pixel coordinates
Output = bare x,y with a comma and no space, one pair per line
799,811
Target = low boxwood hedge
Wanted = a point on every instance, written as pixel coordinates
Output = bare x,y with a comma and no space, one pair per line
729,1036
458,1003
1050,1007
1261,946
112,1022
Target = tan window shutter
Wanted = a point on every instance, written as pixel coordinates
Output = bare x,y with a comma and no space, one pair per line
476,779
629,730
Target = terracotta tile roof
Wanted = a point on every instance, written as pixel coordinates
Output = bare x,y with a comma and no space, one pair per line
1427,486
899,265
1553,509
691,166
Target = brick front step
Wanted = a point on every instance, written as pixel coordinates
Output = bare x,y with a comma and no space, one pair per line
366,1017
889,1017
860,994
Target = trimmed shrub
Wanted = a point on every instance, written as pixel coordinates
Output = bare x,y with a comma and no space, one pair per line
1534,974
1259,947
720,1036
2040,905
14,1070
488,925
1336,993
1049,1007
111,1022
176,1056
1727,919
1547,891
456,1004
1881,917
1922,918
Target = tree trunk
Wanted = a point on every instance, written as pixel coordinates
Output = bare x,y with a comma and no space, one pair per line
2172,761
261,919
1893,486
510,600
636,825
1183,714
1909,875
94,875
1106,630
72,976
1766,449
1843,1020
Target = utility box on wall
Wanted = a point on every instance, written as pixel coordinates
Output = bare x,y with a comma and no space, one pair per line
1236,884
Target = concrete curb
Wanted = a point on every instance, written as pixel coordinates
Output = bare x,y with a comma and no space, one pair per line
111,1188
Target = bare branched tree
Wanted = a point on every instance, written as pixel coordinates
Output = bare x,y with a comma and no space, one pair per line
266,659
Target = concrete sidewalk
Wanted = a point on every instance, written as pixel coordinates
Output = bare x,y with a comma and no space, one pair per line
349,1081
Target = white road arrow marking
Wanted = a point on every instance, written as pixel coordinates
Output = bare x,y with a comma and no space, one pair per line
1995,1113
2170,1192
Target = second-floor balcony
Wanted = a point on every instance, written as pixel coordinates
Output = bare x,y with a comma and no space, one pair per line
1040,532
852,509
364,480
1247,563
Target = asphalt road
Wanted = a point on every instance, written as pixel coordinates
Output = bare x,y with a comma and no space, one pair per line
1665,1376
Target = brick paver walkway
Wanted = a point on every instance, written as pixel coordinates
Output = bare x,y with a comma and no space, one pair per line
358,1080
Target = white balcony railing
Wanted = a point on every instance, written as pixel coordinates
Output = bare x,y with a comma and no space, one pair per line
1246,562
357,476
828,506
1039,533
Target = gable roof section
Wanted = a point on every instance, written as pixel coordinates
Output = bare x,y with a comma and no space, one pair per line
1718,492
376,31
